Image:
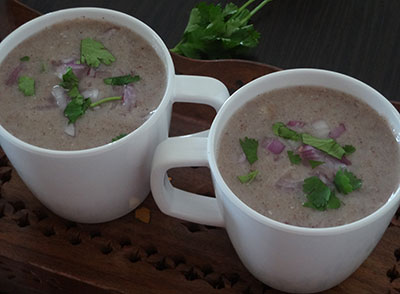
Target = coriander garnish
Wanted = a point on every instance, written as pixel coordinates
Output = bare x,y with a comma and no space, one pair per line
93,53
70,80
108,99
24,59
329,146
319,195
78,104
215,32
281,130
294,158
349,149
248,178
26,85
315,163
249,147
121,80
346,182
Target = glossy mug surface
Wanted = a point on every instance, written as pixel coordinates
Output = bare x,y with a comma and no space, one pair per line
102,183
286,257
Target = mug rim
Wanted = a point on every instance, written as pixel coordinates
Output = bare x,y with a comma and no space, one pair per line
91,13
218,122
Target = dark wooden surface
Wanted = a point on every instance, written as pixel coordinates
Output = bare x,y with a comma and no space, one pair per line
356,37
42,253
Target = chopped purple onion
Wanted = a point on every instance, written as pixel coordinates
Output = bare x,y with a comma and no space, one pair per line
276,146
60,96
129,97
296,123
13,77
310,153
78,69
287,182
241,158
338,131
345,160
265,142
91,72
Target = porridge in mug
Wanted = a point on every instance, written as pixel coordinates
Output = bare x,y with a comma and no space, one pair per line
309,156
79,84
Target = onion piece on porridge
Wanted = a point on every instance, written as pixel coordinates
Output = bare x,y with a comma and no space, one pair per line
338,131
321,128
296,123
129,97
13,77
276,146
70,129
93,94
60,96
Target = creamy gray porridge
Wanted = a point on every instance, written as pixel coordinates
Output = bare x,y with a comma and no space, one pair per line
286,188
40,118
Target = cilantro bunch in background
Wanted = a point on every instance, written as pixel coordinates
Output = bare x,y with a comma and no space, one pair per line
214,32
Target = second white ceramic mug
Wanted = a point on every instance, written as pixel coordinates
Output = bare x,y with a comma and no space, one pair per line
106,182
286,257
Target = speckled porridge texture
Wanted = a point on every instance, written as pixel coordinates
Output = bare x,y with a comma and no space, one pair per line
38,120
376,160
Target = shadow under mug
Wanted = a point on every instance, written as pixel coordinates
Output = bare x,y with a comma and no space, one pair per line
106,182
286,257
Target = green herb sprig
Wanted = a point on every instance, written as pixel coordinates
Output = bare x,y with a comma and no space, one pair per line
248,178
26,85
78,104
319,196
93,53
121,80
249,147
214,32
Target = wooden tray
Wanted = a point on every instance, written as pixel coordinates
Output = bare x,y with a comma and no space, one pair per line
42,253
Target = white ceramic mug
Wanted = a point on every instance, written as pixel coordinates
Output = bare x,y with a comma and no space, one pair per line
106,182
286,257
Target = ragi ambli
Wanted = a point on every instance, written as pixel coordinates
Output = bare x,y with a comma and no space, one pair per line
312,145
44,58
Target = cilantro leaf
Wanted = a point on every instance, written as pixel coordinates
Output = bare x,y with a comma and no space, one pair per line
76,108
93,53
319,196
294,158
333,202
24,59
120,136
26,85
216,32
70,80
329,146
249,147
349,149
121,80
346,182
281,130
315,163
78,104
74,92
248,178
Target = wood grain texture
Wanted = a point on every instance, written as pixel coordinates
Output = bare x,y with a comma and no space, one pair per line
42,253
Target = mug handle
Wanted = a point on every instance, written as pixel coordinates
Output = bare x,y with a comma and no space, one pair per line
183,152
199,89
